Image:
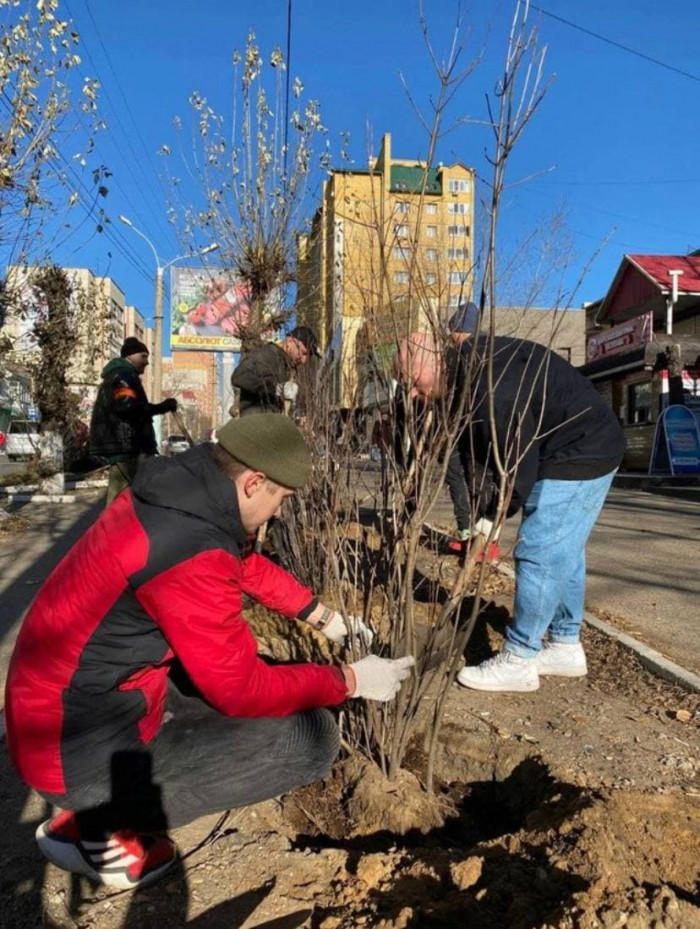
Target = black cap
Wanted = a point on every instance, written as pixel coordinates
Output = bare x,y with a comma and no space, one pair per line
132,346
465,319
308,338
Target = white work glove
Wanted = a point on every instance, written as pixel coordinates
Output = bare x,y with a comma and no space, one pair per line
337,629
483,527
288,391
379,678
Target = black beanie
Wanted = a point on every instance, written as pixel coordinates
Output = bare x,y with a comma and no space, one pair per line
132,346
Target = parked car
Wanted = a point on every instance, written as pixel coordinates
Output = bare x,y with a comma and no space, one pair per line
174,444
22,439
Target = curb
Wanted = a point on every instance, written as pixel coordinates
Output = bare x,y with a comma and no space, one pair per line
11,489
40,498
651,659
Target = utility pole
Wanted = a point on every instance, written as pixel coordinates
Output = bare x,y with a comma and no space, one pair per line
158,307
158,338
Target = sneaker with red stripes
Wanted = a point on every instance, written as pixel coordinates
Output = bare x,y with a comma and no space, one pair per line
459,547
124,859
493,553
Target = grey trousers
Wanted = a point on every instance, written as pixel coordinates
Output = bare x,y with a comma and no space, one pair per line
202,762
459,493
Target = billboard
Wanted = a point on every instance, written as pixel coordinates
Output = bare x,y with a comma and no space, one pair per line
208,310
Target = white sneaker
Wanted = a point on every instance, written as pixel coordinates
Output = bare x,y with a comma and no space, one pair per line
504,672
565,659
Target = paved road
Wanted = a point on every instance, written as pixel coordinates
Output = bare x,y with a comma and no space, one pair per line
29,556
644,570
643,566
10,467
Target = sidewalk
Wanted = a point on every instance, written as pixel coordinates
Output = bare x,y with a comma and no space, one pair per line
28,557
643,564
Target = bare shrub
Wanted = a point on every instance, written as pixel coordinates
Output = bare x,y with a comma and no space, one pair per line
362,532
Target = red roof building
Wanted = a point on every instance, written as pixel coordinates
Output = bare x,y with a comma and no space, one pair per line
650,314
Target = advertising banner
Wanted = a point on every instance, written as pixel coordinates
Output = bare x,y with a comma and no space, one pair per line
621,338
208,310
676,442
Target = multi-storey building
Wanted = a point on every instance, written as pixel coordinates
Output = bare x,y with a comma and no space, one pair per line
389,247
192,378
101,318
135,325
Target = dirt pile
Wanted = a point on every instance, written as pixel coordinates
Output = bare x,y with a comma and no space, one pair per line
579,861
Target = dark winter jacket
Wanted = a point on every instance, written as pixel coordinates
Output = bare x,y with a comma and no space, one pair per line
160,576
122,418
259,377
544,410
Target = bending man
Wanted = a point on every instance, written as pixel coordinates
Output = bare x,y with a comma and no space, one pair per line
561,445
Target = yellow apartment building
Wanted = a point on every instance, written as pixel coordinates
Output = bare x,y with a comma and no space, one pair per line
389,249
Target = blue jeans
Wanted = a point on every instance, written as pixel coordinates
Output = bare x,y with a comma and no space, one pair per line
550,562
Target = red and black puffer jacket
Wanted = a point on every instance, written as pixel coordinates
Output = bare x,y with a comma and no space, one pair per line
159,576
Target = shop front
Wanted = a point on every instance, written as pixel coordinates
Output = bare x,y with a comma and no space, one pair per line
643,354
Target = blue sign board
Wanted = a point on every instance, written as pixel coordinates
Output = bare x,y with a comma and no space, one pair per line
32,412
676,442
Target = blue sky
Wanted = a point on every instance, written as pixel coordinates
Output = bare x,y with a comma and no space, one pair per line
615,142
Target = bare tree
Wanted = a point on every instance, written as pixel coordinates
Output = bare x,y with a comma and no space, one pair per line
44,101
251,169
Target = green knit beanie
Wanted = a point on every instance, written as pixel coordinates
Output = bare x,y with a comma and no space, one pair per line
271,443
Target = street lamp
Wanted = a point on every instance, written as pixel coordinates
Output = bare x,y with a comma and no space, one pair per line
158,315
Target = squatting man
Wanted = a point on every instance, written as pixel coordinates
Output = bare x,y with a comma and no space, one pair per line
150,593
561,444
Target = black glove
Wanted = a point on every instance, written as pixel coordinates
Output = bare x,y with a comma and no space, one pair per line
169,405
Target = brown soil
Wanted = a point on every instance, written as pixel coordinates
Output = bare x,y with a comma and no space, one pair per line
576,807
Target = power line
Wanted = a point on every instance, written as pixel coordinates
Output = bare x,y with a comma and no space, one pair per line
625,182
593,209
145,187
111,233
624,48
128,108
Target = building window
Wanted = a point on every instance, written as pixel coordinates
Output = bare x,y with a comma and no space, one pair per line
402,206
431,278
431,254
458,187
431,232
458,230
458,254
431,209
401,277
458,208
402,251
401,230
639,403
456,277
